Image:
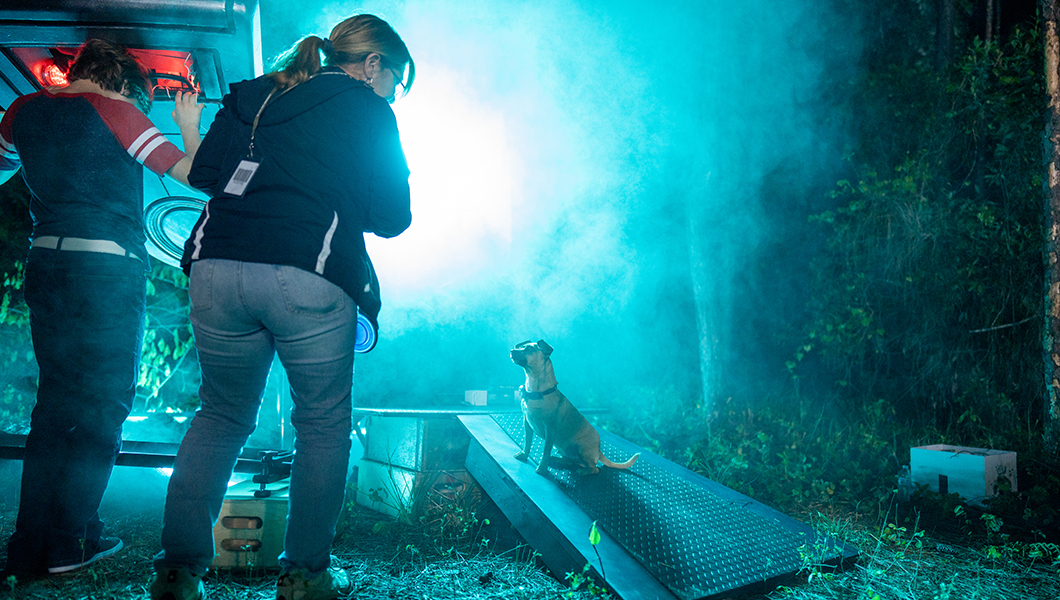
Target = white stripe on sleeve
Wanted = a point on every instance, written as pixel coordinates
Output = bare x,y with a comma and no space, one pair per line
325,252
197,244
134,148
149,148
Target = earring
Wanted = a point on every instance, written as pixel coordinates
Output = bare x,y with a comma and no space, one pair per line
368,81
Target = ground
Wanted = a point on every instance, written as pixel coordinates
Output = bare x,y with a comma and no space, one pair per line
384,560
387,560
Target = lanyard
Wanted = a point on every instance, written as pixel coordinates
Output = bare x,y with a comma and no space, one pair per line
257,117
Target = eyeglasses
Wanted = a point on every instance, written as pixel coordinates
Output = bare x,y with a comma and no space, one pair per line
397,81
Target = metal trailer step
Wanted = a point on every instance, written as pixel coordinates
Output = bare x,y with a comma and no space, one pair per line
153,455
666,532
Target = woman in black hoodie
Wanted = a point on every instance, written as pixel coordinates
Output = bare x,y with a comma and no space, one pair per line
299,164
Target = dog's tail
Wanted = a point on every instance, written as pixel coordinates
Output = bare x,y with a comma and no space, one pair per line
624,465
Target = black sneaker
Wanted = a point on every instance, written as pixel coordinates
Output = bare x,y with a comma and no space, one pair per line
106,546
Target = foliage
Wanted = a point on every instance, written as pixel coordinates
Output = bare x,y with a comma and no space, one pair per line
167,344
18,369
930,289
168,380
784,454
800,457
584,578
18,377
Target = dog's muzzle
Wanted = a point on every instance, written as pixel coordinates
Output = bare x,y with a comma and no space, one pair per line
519,352
519,357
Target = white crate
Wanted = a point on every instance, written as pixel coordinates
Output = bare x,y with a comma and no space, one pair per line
973,473
249,532
476,397
407,494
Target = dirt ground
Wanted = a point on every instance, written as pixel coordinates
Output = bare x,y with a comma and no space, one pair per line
384,560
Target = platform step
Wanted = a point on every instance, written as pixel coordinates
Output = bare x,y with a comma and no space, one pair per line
666,532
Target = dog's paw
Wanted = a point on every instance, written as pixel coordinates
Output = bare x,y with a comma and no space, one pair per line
542,469
522,456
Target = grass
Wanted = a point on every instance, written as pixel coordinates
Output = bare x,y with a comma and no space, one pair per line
383,562
931,548
900,562
901,559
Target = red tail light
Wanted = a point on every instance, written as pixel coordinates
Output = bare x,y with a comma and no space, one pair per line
53,75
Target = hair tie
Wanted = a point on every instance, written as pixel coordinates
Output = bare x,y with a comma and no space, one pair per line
327,47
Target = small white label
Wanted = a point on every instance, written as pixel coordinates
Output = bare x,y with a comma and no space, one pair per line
241,178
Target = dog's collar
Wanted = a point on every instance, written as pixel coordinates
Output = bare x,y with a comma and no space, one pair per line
536,395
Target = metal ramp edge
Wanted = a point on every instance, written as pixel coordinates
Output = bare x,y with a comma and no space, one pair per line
666,532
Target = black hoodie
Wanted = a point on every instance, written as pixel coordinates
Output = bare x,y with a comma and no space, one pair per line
331,168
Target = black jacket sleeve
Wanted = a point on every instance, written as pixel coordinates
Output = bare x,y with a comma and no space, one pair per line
389,211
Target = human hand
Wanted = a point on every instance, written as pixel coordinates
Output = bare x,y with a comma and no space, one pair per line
188,112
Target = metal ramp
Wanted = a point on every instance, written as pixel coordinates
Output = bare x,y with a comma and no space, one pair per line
666,532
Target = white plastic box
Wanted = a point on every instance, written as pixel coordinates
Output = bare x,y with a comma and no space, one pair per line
414,463
476,397
249,531
406,494
974,473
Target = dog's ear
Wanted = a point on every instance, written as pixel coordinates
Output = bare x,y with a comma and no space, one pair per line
545,348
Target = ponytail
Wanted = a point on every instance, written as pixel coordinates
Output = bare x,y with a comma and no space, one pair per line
299,63
350,42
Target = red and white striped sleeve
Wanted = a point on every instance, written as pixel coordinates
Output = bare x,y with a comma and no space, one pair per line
137,134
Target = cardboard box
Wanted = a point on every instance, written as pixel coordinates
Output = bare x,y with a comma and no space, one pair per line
974,473
249,531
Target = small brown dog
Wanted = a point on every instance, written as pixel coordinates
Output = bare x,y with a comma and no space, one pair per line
550,415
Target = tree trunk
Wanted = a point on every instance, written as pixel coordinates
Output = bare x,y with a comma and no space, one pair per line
705,296
1051,342
989,33
947,9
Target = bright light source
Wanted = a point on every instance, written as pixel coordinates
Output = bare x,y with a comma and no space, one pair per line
461,182
53,75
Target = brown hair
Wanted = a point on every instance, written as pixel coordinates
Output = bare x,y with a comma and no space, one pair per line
112,67
351,41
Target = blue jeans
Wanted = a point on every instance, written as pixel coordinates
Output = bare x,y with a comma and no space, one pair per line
87,323
241,314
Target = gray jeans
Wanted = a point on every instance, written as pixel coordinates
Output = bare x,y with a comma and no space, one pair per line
241,314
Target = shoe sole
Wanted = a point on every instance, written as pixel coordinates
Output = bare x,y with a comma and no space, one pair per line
95,557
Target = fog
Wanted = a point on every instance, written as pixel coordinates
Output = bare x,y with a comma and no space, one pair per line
612,177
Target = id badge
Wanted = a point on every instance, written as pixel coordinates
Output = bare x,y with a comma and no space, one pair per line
245,170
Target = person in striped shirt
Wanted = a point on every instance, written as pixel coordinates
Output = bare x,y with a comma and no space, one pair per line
82,150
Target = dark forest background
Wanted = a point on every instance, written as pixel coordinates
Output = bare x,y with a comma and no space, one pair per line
921,312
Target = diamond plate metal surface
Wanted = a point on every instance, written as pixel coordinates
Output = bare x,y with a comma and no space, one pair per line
696,543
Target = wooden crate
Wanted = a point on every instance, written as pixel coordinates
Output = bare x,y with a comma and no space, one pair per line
249,532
